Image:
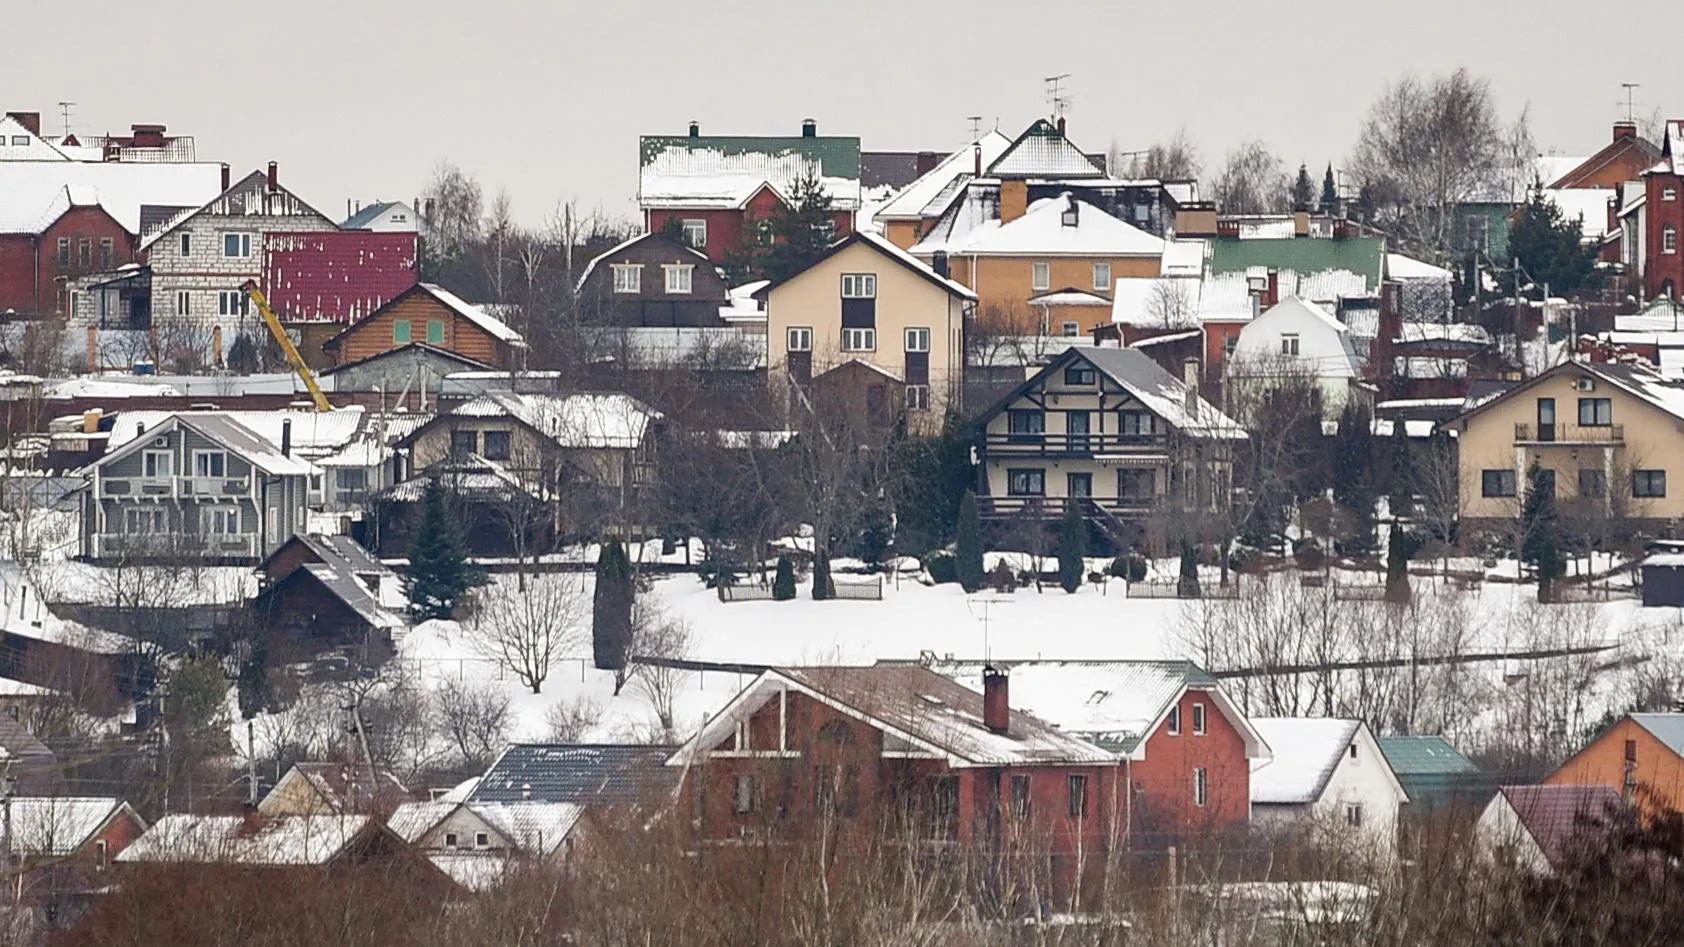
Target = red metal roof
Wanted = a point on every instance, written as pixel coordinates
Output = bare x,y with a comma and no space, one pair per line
337,276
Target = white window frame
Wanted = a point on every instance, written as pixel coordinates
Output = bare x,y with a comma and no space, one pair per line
219,521
1669,194
695,231
452,840
917,339
628,277
1040,276
1102,283
799,339
154,461
917,397
482,840
242,243
1198,720
1070,330
680,278
1201,787
205,455
859,340
1353,814
1669,239
153,520
232,302
859,285
1290,344
1172,726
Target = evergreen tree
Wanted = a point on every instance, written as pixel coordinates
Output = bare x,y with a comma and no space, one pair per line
1303,192
253,680
1329,192
1072,548
969,543
1551,249
823,587
1353,481
438,572
783,584
1400,480
1188,585
611,608
1540,543
1401,546
801,231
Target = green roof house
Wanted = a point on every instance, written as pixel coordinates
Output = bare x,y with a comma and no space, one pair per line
1432,772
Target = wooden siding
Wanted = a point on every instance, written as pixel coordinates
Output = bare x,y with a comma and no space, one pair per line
374,335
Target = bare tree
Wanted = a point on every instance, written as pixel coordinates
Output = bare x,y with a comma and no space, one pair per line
453,204
475,717
567,721
663,638
1173,160
1252,180
1171,304
529,633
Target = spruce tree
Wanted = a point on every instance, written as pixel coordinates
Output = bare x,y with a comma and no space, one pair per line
1540,543
1329,192
611,608
801,231
438,571
783,584
1550,248
1353,482
1401,476
1401,546
823,587
969,544
1188,585
1072,548
1303,192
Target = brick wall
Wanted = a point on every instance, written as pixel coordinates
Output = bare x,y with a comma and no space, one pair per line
206,270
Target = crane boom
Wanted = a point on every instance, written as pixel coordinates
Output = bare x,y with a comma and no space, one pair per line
285,342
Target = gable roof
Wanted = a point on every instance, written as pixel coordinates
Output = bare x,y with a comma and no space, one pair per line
250,196
887,249
225,431
1042,151
1300,314
342,787
314,433
537,828
922,198
1042,231
59,826
1671,141
1558,817
1307,751
372,213
606,420
629,242
33,194
575,773
1666,728
413,820
491,325
725,171
412,348
1145,380
1424,756
1640,382
273,841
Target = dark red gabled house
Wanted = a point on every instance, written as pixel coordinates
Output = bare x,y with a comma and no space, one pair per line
1663,260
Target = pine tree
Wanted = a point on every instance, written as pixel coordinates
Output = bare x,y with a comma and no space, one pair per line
1188,585
969,543
1303,192
1401,546
801,231
1540,543
438,571
1072,548
823,587
783,584
1329,192
1551,249
1400,481
611,608
1353,481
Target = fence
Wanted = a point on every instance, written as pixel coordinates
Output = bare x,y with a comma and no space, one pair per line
862,588
1173,590
745,593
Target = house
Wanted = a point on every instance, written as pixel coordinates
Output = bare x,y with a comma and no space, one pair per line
652,280
199,484
1186,751
720,192
1111,429
385,217
1538,828
333,789
199,259
1660,258
433,315
800,747
1432,772
327,592
1294,342
394,373
1328,777
866,302
1641,757
1603,433
479,844
62,848
336,276
905,218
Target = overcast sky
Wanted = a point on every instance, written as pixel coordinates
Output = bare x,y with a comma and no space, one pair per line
362,98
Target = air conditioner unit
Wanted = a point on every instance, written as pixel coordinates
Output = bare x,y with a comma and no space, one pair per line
160,442
1585,384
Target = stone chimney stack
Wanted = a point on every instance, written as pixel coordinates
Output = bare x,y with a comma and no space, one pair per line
996,710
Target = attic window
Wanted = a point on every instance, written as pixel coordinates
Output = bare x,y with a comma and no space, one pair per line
1070,217
450,840
20,140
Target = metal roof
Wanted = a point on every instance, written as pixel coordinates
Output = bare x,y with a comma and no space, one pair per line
1667,728
1424,756
581,773
1305,255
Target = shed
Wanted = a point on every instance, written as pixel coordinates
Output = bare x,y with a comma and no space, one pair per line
1663,580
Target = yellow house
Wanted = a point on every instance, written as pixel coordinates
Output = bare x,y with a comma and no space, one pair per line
870,313
333,789
1605,435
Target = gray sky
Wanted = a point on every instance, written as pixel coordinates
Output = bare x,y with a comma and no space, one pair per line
361,98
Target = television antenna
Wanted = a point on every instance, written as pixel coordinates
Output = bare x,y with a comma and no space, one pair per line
1631,106
1058,97
976,126
64,116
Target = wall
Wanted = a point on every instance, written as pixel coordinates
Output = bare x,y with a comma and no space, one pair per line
205,271
1004,284
17,272
375,334
652,305
725,227
1659,773
903,233
1363,780
1164,800
1663,270
91,224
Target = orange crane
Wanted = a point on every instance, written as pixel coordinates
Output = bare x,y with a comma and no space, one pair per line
285,342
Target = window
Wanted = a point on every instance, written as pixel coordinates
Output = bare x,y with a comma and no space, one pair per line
435,331
1040,276
210,463
1136,424
1648,483
1353,815
1174,722
696,233
918,340
1070,329
917,397
1198,720
1026,483
1669,239
232,302
401,332
1201,787
1229,343
800,338
944,792
678,277
155,465
183,302
745,795
763,233
1079,376
85,252
101,851
1596,412
859,286
186,245
450,840
496,445
463,443
1669,194
19,141
146,520
63,252
1136,484
1078,787
482,840
1352,751
236,245
1102,277
1478,230
219,520
1496,483
1020,796
1078,486
1025,425
107,252
628,277
859,340
1289,344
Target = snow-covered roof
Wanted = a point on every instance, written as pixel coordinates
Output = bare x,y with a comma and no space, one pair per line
278,840
615,421
1590,204
1042,151
35,193
680,175
1162,393
57,826
1444,332
1307,751
537,828
1149,299
1165,339
1185,257
477,315
1660,314
227,432
1046,230
1400,267
314,433
1070,297
929,195
412,820
1260,339
475,871
1552,168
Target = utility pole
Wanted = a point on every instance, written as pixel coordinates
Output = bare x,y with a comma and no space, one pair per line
6,784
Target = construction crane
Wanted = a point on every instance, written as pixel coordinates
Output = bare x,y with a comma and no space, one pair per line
285,342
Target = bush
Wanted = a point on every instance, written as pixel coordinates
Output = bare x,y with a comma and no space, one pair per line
1002,579
942,565
783,585
969,543
1131,568
1309,555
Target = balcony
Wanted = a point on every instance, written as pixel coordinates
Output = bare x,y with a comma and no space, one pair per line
127,488
1053,507
1082,445
141,546
212,488
1569,434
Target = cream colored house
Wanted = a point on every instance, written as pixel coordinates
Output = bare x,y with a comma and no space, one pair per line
1606,434
870,308
1111,429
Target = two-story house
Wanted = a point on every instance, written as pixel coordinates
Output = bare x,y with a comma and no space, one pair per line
908,215
430,314
652,280
1603,434
201,258
198,485
1293,343
1641,757
868,304
1661,259
1109,429
1329,781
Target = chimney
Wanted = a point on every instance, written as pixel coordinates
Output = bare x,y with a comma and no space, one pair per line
112,152
225,174
925,162
996,712
526,790
1624,130
1272,295
1190,382
938,262
695,129
1014,199
1300,223
29,120
286,437
274,177
1071,216
976,155
146,136
809,128
1061,126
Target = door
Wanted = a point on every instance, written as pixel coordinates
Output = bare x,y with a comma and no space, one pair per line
1546,419
1078,486
1076,425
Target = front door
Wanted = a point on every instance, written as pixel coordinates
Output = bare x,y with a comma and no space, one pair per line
1546,419
1079,486
1076,425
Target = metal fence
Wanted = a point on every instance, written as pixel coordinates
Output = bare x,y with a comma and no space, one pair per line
745,593
860,588
1173,590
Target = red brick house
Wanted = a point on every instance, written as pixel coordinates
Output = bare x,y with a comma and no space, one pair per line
64,846
1663,216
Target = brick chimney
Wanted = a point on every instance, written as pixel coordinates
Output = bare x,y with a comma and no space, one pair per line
274,176
225,176
1272,292
695,129
1061,126
1624,130
996,711
1014,199
1390,329
809,128
146,136
29,120
976,155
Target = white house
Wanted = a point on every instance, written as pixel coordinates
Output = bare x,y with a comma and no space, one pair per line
1295,338
476,843
384,217
1535,827
1330,774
